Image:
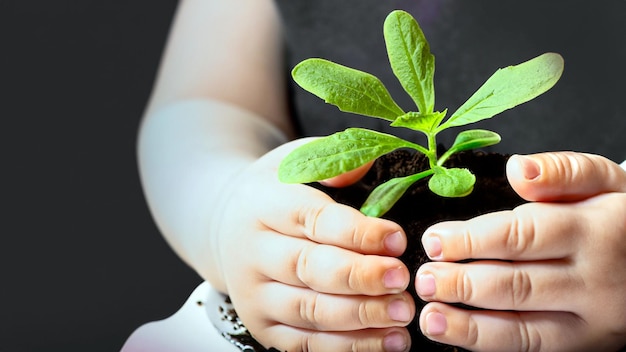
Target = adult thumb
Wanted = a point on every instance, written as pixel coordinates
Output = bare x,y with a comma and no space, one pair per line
564,176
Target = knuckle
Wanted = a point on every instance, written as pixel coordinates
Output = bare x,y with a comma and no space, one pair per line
355,278
302,266
471,335
464,288
363,314
364,276
310,311
520,286
306,343
572,167
357,240
529,337
468,242
594,172
328,269
520,236
309,218
566,165
332,223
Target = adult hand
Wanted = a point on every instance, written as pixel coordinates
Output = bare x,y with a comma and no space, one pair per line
306,273
555,280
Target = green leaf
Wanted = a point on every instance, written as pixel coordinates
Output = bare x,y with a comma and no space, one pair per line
387,194
452,182
349,89
470,139
509,87
410,58
419,122
336,154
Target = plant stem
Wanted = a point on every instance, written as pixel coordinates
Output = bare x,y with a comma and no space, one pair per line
445,157
432,150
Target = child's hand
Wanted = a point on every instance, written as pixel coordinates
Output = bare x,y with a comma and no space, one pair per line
308,274
563,284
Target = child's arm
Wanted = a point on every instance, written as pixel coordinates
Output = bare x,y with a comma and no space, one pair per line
217,105
303,272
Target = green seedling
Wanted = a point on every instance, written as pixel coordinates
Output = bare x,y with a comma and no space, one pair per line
413,64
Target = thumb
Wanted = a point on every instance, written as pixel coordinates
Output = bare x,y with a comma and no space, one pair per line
348,178
564,176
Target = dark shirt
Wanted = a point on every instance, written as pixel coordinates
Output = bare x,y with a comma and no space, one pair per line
584,112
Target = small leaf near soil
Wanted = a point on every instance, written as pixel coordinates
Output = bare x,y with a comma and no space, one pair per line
454,182
471,139
387,194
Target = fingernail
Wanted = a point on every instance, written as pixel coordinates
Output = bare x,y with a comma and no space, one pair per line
399,310
395,242
432,246
394,278
530,169
426,286
395,342
436,324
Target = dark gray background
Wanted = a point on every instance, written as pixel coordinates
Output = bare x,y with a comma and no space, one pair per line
82,263
584,112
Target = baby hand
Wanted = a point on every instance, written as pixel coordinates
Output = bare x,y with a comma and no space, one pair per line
308,274
551,273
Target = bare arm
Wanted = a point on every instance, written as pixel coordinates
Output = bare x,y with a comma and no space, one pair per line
218,104
225,51
209,146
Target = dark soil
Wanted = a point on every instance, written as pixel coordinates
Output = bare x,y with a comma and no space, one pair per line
419,207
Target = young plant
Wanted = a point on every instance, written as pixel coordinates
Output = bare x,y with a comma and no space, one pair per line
362,93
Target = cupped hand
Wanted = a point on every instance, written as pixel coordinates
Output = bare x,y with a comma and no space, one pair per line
308,274
549,274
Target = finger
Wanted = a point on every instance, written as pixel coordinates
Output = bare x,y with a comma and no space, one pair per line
564,176
302,211
532,231
349,177
330,269
520,286
508,331
309,213
286,338
307,309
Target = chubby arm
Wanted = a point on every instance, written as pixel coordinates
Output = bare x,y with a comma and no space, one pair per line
287,255
187,155
225,51
217,106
